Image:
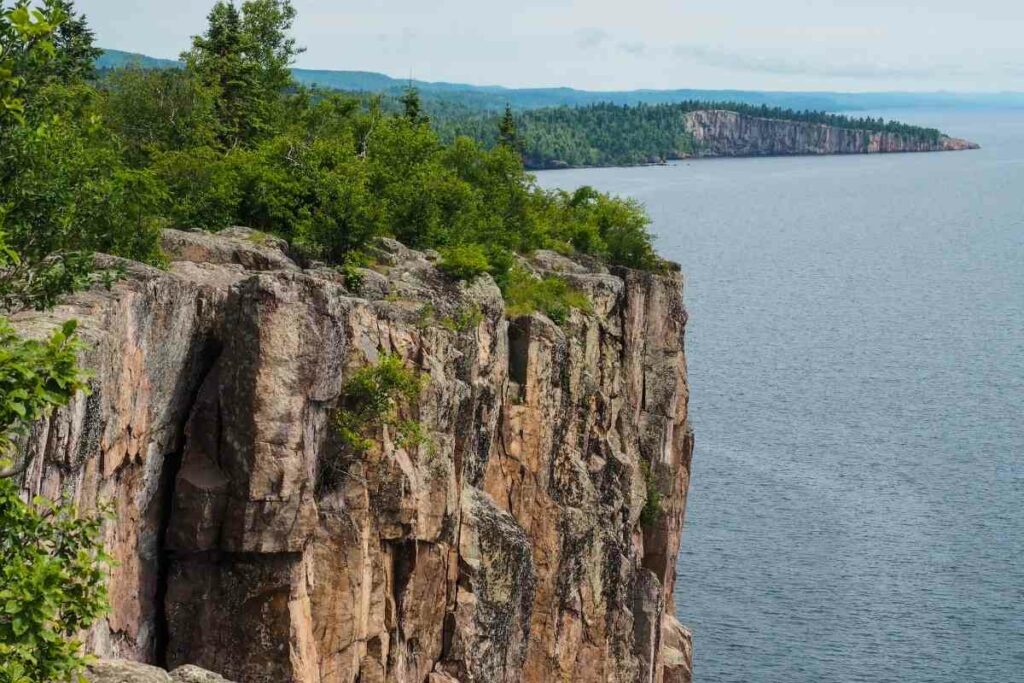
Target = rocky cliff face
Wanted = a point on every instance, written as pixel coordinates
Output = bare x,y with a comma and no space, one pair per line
505,547
719,133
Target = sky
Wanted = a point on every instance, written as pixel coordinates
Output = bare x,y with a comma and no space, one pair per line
845,45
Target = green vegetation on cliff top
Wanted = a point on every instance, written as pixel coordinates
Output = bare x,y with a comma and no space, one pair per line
622,135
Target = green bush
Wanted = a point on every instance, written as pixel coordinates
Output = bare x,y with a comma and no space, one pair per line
551,295
52,577
464,262
204,186
157,110
373,398
52,586
35,377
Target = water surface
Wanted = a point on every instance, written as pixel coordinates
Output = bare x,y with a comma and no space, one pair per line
856,353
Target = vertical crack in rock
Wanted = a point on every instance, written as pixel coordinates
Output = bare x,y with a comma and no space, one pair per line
165,499
161,635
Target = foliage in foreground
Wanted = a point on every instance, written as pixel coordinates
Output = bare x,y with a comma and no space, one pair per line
35,377
52,180
52,586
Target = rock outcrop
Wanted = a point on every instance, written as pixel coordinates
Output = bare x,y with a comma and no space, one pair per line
720,133
505,546
126,671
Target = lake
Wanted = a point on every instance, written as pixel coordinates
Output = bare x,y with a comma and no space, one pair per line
856,356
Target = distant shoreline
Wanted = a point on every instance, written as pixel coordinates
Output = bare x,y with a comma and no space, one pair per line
672,162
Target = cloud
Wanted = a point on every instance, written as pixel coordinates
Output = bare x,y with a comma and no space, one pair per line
804,66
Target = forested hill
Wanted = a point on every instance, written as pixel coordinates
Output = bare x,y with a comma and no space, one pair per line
562,127
622,135
493,98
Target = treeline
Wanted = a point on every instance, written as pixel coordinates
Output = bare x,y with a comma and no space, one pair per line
878,125
623,135
596,135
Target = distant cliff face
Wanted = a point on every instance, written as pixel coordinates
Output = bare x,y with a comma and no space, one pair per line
507,547
719,133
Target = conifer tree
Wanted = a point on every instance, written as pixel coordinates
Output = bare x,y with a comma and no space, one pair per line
245,57
412,106
508,133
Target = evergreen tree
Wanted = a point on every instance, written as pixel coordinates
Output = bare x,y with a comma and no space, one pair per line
245,57
412,107
217,60
508,133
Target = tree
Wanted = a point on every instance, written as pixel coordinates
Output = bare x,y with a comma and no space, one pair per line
158,110
508,132
64,191
412,107
245,58
25,42
265,27
217,59
75,52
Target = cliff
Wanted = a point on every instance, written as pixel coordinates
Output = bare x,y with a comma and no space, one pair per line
506,546
719,133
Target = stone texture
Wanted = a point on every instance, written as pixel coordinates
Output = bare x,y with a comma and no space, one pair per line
193,674
124,671
719,133
676,650
507,547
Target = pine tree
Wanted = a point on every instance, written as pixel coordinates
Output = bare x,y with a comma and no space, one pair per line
412,106
508,133
245,57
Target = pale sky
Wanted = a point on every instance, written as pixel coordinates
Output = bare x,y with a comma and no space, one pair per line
849,45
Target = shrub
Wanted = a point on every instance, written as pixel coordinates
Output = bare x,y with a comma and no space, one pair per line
466,318
553,296
52,586
464,262
204,186
352,270
35,377
373,398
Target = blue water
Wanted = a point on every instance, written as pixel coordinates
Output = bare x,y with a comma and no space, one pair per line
856,354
